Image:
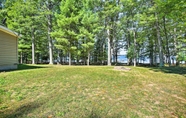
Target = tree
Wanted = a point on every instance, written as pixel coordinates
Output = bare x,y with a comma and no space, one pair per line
49,8
96,29
110,16
66,33
3,13
88,28
24,18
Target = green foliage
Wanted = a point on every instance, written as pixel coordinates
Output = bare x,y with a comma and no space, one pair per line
25,18
130,52
80,27
66,30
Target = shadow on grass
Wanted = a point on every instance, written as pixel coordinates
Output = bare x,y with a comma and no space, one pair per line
25,67
172,69
22,111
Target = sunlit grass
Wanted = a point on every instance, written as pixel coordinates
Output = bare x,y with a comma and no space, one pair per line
92,92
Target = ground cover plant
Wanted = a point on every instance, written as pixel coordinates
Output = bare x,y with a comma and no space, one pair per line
92,92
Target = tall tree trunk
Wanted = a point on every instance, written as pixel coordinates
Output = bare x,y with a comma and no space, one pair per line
151,54
33,47
69,59
49,18
159,42
134,49
155,52
116,57
58,57
88,59
103,54
50,39
61,59
129,61
109,48
21,57
167,42
176,48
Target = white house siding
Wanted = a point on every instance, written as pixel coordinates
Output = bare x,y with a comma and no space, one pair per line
8,51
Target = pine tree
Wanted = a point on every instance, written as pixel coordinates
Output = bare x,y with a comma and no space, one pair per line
110,13
88,28
66,33
24,18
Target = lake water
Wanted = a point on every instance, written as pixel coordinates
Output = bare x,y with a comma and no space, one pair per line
123,59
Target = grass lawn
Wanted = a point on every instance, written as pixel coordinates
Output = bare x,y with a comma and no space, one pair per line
92,92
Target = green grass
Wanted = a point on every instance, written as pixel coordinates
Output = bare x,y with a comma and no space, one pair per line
92,92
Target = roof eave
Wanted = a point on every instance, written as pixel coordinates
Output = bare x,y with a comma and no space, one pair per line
8,31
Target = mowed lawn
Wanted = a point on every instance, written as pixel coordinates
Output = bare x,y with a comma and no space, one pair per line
92,92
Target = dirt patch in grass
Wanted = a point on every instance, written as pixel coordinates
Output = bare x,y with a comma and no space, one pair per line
121,68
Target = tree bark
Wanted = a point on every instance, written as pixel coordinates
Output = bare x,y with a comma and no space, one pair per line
33,47
134,49
88,59
167,42
109,48
159,42
49,18
129,60
58,57
176,48
69,61
21,57
154,53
